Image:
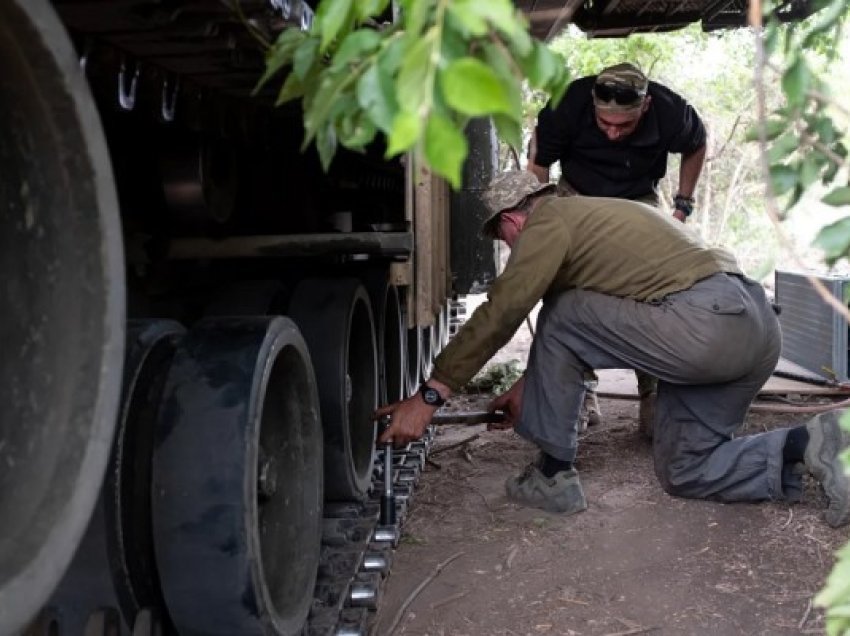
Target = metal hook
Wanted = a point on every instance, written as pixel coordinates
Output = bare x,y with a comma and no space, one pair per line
84,58
284,6
127,95
306,20
169,99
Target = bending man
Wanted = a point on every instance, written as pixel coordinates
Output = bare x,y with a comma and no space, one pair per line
624,287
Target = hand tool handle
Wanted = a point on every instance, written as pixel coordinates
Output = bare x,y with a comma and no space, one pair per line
469,417
388,509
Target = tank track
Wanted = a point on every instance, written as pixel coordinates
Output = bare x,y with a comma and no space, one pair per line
357,551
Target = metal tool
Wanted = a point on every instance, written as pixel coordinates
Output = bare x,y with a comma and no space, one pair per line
468,417
388,510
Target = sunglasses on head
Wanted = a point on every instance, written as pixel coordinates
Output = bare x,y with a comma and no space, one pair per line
622,95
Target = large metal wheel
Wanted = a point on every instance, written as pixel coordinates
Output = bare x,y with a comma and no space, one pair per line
127,489
413,350
428,338
62,284
237,479
336,320
386,308
114,565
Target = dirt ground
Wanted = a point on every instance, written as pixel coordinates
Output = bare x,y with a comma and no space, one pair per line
636,562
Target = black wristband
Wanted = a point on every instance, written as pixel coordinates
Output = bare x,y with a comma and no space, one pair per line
431,396
684,204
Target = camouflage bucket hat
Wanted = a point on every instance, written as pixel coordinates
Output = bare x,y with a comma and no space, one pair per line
508,191
620,88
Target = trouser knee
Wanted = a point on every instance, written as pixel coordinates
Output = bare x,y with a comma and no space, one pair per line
680,478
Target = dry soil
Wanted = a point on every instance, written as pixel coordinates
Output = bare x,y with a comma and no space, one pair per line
636,562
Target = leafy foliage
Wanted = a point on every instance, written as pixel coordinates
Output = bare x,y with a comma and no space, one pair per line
495,378
417,80
806,146
806,149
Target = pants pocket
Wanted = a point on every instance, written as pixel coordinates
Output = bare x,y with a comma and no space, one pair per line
723,302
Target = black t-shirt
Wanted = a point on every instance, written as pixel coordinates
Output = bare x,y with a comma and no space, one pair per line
627,169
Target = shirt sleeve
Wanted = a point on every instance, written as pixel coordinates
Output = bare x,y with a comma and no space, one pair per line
553,135
691,134
538,255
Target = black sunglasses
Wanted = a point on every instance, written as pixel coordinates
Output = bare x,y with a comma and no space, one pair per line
622,95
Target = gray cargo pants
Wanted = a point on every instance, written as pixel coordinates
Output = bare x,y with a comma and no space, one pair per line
712,347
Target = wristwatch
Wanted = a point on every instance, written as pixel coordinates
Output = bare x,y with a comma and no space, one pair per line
684,204
431,396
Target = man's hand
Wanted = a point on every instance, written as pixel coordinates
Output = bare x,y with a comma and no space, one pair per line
410,418
678,214
510,402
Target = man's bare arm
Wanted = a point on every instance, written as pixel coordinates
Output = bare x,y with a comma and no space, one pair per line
541,172
690,171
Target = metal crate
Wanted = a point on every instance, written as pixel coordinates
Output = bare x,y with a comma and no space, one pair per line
814,334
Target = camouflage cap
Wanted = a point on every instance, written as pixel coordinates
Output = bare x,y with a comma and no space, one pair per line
506,192
622,75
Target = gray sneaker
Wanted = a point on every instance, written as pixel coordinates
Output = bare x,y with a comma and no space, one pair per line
826,441
561,493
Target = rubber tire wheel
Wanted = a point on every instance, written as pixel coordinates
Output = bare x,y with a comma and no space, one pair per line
240,409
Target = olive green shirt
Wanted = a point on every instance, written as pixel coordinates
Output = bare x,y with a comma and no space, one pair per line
612,246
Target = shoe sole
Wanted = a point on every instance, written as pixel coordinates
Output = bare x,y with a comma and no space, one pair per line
825,443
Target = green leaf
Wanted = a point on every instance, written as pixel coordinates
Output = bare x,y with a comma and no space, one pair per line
304,58
501,64
827,18
810,169
280,54
509,130
454,42
771,37
358,132
782,179
823,127
292,89
782,147
839,196
375,95
834,239
473,23
503,15
331,17
794,198
445,148
394,53
406,130
796,81
541,66
325,99
356,45
773,128
368,8
412,85
326,145
472,88
415,14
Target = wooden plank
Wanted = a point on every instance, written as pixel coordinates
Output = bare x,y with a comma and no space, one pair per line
441,221
423,253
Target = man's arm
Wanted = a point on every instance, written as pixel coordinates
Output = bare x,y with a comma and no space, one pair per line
689,173
541,172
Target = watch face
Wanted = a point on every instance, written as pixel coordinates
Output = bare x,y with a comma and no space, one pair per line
431,396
